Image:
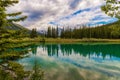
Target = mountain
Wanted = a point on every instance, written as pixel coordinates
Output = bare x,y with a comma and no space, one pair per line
14,30
14,26
114,24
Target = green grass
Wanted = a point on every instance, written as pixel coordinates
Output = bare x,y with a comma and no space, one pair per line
58,40
26,41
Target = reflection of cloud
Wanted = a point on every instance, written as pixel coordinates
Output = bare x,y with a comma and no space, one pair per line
60,12
67,64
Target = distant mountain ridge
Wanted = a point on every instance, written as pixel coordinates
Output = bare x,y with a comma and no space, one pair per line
116,24
17,27
14,26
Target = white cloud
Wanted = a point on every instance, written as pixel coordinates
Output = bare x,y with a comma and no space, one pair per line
41,12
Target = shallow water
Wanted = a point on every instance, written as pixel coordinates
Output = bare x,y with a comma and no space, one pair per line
75,61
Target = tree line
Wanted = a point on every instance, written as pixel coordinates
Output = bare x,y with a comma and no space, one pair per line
52,32
110,31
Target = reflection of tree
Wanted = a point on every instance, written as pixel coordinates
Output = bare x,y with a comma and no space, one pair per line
49,50
85,50
52,49
37,73
34,49
66,49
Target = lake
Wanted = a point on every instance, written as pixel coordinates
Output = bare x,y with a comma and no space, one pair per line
87,61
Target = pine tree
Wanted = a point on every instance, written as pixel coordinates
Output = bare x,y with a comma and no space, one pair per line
57,32
53,33
62,33
112,8
33,33
49,32
12,16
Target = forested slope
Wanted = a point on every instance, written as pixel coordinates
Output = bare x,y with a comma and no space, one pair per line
109,31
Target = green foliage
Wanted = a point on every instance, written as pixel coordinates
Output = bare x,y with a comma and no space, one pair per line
66,33
2,15
7,18
7,3
110,31
112,8
18,69
52,32
12,55
49,32
8,56
14,71
33,33
115,31
4,75
10,70
62,33
38,74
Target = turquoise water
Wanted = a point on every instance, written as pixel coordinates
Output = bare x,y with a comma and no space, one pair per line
75,61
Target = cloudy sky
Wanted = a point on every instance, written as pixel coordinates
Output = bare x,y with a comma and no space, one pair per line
42,13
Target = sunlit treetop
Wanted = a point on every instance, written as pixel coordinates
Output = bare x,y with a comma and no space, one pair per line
112,8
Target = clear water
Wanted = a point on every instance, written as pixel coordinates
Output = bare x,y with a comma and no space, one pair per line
75,61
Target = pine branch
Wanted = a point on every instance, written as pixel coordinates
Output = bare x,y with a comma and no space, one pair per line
7,3
112,8
14,14
17,19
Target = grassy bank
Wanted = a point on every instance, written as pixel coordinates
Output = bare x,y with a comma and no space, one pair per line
58,40
54,40
12,40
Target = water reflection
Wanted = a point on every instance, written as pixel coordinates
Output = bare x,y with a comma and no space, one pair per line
103,50
86,61
34,49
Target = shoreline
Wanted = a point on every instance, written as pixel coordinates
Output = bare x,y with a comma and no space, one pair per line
24,42
57,40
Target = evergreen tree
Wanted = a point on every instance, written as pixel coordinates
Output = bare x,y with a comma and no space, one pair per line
62,33
57,32
12,16
53,33
33,33
104,32
112,8
49,32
